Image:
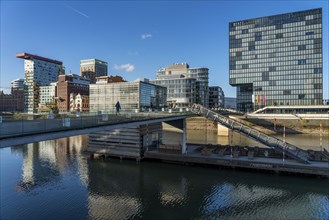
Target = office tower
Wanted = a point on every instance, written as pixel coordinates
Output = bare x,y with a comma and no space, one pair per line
277,60
38,71
185,85
92,68
216,97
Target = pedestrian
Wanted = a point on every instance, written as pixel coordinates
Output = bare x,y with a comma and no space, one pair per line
117,107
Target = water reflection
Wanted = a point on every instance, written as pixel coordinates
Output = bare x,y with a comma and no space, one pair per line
132,190
44,162
56,180
304,141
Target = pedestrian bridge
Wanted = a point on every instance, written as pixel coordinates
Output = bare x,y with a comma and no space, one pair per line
17,132
20,132
270,141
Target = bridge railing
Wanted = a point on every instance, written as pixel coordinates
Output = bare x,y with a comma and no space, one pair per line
14,128
268,140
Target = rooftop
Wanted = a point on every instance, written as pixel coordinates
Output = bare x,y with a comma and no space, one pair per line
28,56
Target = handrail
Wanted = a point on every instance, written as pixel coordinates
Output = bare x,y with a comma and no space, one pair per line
270,141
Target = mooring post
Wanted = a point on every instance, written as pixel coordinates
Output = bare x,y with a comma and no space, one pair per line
321,137
184,148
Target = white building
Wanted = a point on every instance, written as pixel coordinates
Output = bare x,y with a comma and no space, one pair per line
47,94
182,90
17,84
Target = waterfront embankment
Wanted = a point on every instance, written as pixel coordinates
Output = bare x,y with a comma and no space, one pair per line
293,126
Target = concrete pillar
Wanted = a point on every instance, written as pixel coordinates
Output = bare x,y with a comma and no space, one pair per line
222,131
184,148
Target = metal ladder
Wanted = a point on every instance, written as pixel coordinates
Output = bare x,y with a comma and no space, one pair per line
270,141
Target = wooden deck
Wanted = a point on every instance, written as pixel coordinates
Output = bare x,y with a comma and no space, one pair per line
249,161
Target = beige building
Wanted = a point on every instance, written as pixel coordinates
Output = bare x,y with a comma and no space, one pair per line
79,103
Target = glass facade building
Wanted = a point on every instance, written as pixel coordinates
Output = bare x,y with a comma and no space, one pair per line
277,60
185,85
181,92
132,96
216,97
92,68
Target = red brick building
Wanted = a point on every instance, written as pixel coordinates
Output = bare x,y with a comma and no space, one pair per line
68,84
13,102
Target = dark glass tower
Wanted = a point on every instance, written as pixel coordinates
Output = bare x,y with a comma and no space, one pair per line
277,60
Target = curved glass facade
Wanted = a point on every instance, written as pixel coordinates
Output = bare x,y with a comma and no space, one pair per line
132,96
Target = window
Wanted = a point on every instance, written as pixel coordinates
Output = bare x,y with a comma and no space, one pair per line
279,36
302,62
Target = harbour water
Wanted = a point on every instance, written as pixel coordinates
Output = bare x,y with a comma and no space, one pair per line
57,180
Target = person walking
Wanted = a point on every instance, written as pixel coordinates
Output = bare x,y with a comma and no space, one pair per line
118,107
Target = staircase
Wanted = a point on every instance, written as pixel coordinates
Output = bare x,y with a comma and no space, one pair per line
273,142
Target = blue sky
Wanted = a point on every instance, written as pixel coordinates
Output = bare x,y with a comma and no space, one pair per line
136,38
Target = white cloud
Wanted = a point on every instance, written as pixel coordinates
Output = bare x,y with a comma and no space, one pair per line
145,36
126,67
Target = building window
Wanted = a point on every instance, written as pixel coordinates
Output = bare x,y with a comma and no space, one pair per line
245,31
279,36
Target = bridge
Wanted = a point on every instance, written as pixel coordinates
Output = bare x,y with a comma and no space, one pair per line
139,136
270,141
15,132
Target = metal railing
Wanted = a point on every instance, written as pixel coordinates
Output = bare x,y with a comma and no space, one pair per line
270,141
15,128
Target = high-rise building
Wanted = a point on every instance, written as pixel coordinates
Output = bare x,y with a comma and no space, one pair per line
17,84
38,71
182,89
277,60
216,97
17,92
70,84
92,68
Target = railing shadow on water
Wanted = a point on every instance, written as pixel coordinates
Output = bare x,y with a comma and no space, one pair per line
37,125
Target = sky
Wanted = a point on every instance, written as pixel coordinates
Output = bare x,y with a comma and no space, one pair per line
136,38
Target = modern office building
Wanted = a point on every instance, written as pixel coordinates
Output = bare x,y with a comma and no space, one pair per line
17,92
277,60
137,95
216,97
17,84
68,84
92,68
47,95
230,103
38,71
181,92
185,85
